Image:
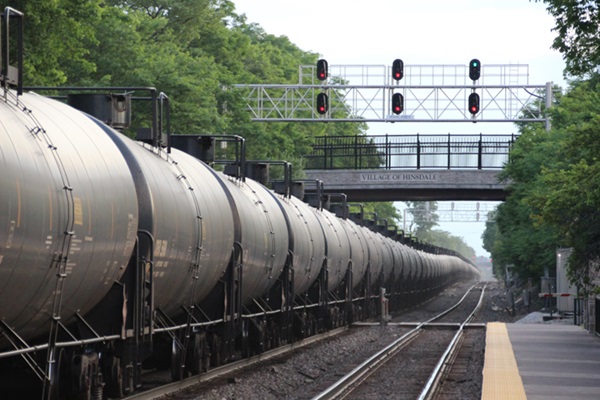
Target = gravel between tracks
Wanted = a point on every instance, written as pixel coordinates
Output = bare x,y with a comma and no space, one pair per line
312,369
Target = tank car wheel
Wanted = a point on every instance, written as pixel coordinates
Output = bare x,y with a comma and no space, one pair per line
177,371
113,373
275,330
246,351
310,326
198,355
205,354
299,325
59,376
261,337
215,351
269,336
86,377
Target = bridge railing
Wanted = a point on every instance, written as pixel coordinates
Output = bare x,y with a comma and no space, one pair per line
410,152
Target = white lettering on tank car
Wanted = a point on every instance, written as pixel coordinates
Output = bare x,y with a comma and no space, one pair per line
11,233
161,248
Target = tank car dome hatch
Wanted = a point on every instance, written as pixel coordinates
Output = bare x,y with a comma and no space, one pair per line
258,171
69,204
112,109
200,146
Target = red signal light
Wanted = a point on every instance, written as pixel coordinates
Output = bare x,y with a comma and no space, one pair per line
397,103
322,103
397,69
473,103
322,67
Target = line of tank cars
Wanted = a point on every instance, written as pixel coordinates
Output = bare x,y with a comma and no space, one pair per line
118,255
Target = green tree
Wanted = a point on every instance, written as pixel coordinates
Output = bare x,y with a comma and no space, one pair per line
490,234
192,50
491,238
567,196
448,241
424,217
554,196
578,37
384,211
519,240
58,35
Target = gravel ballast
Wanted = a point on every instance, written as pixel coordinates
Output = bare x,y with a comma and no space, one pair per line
312,369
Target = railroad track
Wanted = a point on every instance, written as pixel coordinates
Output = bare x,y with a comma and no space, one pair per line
431,353
232,367
276,363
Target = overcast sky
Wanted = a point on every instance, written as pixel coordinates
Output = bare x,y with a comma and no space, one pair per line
438,32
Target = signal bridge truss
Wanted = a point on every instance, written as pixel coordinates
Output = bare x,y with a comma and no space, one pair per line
458,213
432,93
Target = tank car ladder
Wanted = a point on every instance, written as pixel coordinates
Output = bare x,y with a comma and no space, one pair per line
60,258
195,269
13,76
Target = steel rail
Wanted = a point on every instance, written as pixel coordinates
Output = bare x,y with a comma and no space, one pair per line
443,365
351,380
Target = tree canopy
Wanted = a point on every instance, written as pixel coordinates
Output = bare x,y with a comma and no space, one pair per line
193,51
554,196
577,34
424,221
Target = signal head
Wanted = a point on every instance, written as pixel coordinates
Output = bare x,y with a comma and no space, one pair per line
322,103
397,103
473,103
322,67
474,69
397,69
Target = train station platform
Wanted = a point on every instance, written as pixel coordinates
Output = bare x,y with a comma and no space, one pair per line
540,361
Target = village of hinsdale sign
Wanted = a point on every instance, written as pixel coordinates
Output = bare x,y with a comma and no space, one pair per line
399,185
399,176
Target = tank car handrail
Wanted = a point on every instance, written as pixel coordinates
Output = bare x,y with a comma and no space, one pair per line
305,306
240,153
4,61
153,98
194,325
103,88
81,342
261,314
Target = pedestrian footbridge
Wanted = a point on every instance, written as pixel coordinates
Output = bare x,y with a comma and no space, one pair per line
411,167
411,185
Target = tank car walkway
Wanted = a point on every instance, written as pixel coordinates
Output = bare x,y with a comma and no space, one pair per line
540,361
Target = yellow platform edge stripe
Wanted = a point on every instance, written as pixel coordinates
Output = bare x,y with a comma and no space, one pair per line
501,379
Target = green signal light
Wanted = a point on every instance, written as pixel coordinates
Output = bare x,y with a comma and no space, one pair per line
474,69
